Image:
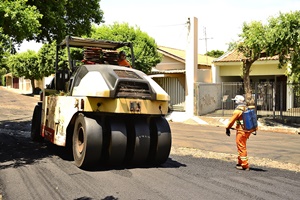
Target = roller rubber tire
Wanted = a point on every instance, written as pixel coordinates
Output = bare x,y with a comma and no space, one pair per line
36,124
118,141
142,141
86,141
161,141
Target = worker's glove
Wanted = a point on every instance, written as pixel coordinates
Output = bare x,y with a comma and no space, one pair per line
228,132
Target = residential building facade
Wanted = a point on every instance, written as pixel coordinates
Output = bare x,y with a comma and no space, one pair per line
170,74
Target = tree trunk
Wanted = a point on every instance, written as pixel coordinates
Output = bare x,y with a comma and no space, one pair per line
32,85
247,84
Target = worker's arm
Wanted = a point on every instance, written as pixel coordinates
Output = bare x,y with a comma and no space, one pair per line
236,115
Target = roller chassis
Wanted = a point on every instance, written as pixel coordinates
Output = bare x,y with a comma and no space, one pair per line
107,115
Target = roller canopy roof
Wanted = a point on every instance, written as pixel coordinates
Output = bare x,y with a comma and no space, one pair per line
87,42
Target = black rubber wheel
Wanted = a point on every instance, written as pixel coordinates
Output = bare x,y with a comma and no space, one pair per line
142,141
87,141
161,140
36,124
118,140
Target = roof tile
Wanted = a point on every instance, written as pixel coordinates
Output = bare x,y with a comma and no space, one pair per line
180,54
236,56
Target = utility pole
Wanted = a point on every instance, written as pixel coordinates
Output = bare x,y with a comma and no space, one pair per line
205,39
191,63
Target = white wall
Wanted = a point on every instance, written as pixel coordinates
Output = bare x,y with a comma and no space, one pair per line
208,97
215,74
204,75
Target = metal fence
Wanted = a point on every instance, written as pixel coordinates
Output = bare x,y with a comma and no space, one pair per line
277,100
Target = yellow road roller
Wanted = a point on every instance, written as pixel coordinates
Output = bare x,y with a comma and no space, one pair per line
105,113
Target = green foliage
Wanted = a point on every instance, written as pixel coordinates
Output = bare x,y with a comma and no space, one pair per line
42,21
45,20
46,59
215,53
5,48
18,20
3,82
284,34
281,36
3,71
232,45
66,17
25,64
254,40
145,48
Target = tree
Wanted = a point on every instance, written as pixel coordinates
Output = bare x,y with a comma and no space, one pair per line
25,64
215,53
284,34
2,78
36,20
254,41
4,54
232,45
46,59
145,48
66,17
18,20
5,48
281,36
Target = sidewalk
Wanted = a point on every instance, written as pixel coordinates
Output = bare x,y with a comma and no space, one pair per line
223,121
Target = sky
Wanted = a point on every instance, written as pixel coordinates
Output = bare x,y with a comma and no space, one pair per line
165,20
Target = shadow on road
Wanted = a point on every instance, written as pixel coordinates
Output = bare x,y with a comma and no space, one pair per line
257,169
16,147
106,167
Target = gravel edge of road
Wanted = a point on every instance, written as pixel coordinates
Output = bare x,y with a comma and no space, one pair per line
263,162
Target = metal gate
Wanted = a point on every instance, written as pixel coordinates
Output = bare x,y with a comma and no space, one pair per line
176,91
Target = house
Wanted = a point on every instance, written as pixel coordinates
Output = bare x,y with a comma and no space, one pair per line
271,81
11,81
227,68
220,80
170,74
24,85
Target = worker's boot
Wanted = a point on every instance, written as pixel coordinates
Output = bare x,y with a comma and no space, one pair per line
240,167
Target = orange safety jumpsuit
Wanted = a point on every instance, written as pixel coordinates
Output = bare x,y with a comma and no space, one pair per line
241,135
124,62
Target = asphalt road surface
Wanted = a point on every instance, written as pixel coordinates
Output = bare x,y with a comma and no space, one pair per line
31,170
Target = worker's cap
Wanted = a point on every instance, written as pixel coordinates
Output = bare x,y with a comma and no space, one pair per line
239,98
122,53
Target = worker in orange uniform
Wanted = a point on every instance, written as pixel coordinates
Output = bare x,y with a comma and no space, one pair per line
241,135
122,60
